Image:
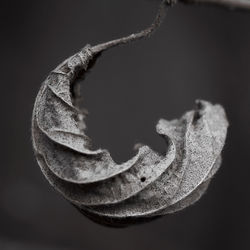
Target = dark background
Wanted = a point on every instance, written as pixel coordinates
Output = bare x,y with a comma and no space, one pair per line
199,52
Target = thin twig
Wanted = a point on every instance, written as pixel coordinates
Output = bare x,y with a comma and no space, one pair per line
232,4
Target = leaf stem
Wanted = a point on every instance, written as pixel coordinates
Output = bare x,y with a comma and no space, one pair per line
164,6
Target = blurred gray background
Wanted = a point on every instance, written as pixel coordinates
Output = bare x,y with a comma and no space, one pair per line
199,52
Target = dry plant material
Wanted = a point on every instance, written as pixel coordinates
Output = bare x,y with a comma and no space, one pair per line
232,4
147,186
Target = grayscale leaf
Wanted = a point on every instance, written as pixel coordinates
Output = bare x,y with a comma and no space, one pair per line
145,187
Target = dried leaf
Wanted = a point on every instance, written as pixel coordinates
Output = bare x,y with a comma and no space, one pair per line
147,186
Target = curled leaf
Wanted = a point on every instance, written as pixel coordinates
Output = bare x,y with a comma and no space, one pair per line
147,186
